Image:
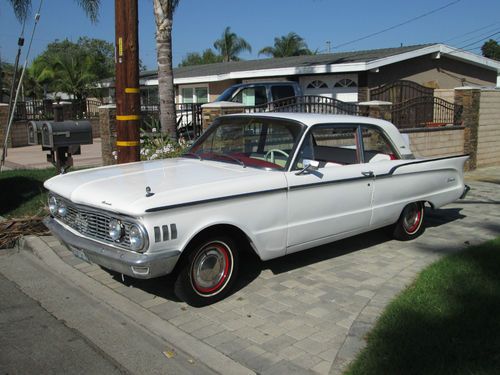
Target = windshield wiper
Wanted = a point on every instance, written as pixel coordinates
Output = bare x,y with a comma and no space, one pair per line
192,154
230,157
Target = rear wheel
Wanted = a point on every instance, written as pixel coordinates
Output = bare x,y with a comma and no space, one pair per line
209,271
411,222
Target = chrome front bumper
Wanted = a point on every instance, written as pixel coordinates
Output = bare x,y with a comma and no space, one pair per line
141,266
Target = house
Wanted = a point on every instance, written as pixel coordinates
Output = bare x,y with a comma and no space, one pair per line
346,76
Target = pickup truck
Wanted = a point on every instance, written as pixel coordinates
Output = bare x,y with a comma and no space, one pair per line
269,183
254,94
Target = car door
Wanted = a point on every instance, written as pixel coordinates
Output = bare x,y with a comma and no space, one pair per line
333,201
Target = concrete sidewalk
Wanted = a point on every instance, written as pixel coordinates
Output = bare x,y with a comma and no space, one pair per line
33,157
305,313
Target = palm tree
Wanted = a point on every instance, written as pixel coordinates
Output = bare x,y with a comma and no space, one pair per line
287,45
231,45
163,12
22,8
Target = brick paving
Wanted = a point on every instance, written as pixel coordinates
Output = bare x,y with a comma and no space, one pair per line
309,312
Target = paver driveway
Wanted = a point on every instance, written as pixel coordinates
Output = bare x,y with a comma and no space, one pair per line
309,312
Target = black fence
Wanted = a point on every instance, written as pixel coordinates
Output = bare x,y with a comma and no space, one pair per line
43,109
307,104
188,117
426,111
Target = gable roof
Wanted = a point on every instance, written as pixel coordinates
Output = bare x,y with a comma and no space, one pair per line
341,62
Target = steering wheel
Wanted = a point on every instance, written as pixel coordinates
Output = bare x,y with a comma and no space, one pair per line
272,152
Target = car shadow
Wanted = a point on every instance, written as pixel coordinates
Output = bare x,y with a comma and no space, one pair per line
251,266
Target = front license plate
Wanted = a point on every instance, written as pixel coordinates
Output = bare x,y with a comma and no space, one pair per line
80,254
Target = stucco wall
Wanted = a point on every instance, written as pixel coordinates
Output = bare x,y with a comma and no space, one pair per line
443,73
216,88
436,142
488,150
445,94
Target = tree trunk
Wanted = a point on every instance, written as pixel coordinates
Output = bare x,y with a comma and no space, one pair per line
163,12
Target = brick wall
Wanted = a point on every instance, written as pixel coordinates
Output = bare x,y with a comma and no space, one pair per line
4,111
19,134
96,129
488,148
436,142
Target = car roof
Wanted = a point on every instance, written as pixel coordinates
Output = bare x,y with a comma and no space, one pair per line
310,119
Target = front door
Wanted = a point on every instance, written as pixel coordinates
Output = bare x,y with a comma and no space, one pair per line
334,200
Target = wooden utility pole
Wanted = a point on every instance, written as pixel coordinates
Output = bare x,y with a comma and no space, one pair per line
128,104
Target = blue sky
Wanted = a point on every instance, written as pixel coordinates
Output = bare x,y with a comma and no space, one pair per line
198,23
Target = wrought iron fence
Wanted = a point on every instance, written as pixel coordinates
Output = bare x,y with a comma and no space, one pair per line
307,104
188,117
426,111
400,91
43,109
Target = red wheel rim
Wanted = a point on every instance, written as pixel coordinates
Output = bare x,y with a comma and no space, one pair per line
413,218
211,268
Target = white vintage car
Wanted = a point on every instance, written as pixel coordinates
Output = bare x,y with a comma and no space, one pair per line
272,183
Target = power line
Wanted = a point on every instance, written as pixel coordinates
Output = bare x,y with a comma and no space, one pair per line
471,32
479,36
480,40
398,25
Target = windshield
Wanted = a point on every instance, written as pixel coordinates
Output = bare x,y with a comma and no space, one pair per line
226,94
253,142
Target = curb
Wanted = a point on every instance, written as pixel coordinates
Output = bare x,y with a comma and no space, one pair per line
195,348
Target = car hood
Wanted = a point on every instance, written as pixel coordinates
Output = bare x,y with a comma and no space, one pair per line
122,188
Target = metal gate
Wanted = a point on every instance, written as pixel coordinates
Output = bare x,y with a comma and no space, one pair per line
400,91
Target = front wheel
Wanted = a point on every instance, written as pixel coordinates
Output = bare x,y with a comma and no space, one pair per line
209,271
410,224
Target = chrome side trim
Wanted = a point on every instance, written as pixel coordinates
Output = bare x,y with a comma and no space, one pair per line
211,200
119,260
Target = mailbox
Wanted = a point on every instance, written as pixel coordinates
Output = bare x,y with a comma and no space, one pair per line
35,132
66,133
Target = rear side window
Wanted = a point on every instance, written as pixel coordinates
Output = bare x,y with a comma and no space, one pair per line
281,92
376,147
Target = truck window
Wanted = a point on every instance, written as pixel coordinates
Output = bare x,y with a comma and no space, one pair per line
251,96
281,92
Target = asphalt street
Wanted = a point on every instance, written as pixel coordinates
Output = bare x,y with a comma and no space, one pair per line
47,326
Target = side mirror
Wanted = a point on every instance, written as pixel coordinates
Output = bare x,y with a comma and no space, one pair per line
309,166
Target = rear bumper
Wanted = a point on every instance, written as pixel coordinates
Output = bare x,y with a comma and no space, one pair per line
466,190
141,266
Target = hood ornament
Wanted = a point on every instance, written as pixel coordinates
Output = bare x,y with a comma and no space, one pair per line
148,192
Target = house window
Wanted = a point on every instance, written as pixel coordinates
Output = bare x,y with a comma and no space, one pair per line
346,83
317,84
194,95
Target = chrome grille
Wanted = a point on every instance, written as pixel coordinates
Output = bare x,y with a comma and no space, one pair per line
92,224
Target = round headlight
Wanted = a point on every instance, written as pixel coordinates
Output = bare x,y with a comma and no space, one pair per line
62,210
136,237
53,205
115,229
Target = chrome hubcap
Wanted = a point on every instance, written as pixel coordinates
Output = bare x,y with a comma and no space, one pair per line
211,268
412,218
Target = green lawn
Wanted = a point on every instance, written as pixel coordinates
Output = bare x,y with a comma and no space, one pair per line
22,193
446,322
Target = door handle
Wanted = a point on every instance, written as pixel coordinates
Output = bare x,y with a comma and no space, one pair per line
367,173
